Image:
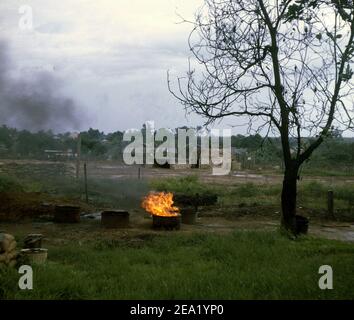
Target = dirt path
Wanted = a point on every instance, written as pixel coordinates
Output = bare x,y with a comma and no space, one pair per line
91,230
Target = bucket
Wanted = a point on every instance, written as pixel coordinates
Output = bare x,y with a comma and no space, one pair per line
35,256
302,225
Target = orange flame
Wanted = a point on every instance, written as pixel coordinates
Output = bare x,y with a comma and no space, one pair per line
160,204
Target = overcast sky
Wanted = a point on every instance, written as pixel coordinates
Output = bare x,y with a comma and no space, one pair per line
110,56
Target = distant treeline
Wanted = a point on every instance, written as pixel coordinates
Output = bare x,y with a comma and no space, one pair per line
46,144
336,151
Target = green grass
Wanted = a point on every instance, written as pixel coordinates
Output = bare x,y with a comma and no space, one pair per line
127,193
324,171
188,184
311,195
241,265
9,184
103,192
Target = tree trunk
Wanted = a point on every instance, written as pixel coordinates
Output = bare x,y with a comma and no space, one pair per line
288,198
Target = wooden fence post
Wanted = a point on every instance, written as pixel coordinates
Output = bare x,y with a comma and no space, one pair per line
330,204
86,189
78,154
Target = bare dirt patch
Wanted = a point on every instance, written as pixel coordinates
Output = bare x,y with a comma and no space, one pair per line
17,206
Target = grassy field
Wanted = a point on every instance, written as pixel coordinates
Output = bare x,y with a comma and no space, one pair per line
233,265
241,265
263,198
312,195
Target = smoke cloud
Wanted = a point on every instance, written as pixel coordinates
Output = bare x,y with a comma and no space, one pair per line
33,102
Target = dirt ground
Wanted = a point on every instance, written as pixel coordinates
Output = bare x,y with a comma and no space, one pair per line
140,229
90,229
117,171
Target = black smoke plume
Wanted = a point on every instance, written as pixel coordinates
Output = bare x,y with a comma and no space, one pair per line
33,102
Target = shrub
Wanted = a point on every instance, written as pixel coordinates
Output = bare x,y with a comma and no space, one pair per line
9,184
188,184
247,190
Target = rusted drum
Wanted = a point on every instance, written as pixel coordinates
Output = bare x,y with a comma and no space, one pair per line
113,219
67,214
189,215
167,222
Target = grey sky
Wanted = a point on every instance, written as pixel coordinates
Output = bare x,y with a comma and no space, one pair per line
109,56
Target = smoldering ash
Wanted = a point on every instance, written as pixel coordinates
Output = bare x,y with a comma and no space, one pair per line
186,146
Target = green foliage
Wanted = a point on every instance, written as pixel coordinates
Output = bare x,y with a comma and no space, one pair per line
92,143
250,143
188,184
241,265
247,190
317,190
314,189
335,155
9,184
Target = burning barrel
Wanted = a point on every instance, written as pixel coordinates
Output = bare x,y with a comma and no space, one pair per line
164,214
67,214
167,222
115,219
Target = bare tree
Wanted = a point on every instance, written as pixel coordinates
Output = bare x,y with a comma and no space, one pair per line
285,65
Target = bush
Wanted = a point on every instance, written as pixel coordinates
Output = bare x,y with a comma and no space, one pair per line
239,265
248,190
189,184
9,184
314,189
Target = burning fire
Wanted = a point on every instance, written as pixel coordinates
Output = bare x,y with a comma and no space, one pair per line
160,204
